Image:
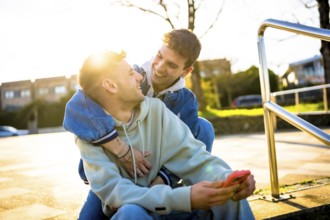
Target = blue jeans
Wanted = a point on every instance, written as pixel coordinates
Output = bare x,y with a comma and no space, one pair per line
92,209
130,211
205,133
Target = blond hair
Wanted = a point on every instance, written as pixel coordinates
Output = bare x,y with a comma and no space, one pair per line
95,68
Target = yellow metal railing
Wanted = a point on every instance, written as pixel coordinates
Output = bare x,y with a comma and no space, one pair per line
271,109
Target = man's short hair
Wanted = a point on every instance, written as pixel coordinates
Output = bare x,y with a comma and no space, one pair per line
95,68
185,43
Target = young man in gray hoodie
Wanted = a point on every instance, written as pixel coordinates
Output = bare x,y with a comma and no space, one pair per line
146,124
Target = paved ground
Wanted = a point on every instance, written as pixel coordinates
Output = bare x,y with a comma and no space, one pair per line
300,158
39,180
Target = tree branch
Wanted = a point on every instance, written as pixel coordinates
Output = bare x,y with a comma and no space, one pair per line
167,18
199,5
163,5
309,3
215,20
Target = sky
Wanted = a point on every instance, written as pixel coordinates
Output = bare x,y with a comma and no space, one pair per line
48,38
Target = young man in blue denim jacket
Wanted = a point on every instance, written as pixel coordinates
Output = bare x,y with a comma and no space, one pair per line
164,79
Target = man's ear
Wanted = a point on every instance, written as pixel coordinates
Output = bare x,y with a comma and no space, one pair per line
187,71
109,85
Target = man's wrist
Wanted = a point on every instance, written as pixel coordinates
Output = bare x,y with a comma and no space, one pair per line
122,156
116,146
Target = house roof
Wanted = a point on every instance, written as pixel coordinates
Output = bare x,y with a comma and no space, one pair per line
308,60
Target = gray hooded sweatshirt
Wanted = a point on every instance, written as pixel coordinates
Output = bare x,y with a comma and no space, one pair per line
157,130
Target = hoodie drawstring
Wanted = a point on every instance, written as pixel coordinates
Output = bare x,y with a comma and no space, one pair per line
139,126
131,148
132,153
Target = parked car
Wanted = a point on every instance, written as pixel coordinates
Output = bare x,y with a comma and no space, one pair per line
8,131
247,101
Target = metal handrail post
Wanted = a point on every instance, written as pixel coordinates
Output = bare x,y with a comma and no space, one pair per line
296,98
325,100
268,106
269,127
274,119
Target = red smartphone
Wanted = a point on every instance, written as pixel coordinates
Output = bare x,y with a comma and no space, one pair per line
236,177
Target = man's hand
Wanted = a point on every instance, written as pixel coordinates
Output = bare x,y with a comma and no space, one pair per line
123,152
143,166
205,195
245,189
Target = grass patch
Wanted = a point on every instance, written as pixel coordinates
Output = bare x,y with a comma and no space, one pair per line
211,112
306,184
310,107
231,112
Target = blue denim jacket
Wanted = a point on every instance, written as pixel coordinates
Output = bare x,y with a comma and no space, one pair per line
86,118
183,103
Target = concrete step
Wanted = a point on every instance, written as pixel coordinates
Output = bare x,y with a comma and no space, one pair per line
308,203
316,213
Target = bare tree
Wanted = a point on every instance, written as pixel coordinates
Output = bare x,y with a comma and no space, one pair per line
323,6
324,17
174,12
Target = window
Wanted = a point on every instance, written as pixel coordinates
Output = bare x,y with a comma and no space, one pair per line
25,93
60,89
216,71
12,94
17,94
43,91
309,69
9,94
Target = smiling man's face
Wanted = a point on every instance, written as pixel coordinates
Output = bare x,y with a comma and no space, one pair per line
128,83
167,67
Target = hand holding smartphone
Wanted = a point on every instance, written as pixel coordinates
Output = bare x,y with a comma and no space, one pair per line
236,177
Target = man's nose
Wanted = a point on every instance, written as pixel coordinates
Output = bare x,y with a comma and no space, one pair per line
160,67
138,76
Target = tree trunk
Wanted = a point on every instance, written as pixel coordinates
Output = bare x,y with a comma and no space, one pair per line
196,87
323,6
195,76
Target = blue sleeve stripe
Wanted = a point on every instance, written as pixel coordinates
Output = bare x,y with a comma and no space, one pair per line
109,137
165,178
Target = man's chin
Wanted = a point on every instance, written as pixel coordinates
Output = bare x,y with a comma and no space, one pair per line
142,98
155,82
155,78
